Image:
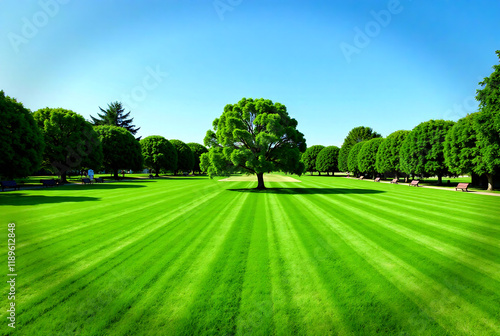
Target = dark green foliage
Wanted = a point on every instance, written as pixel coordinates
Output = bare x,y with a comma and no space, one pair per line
487,124
388,153
254,136
198,150
461,153
115,115
367,156
327,160
121,150
422,150
70,140
356,135
158,153
21,141
352,160
309,157
185,157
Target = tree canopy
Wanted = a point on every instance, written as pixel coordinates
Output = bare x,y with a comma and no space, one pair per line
120,149
115,115
70,141
309,157
352,160
487,124
388,153
21,141
356,135
461,153
367,156
158,153
327,160
254,136
198,150
185,157
422,150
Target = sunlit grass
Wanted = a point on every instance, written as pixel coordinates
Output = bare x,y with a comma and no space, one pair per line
191,255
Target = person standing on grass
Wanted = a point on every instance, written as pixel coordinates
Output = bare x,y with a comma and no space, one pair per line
91,174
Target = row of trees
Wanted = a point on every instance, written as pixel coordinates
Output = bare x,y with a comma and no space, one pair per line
433,148
62,141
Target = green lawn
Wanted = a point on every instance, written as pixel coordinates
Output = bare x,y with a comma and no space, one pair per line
189,255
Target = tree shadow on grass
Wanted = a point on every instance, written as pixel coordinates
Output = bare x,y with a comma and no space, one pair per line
310,191
24,199
95,186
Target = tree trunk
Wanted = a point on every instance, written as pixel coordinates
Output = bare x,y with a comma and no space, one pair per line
490,181
440,179
260,180
63,177
115,174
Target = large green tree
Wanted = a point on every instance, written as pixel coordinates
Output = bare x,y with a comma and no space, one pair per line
422,151
487,124
388,153
327,160
254,136
356,135
352,160
70,140
185,157
367,156
21,141
198,150
120,149
309,158
115,115
158,153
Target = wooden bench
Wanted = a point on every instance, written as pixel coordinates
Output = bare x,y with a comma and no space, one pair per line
361,177
48,183
414,183
377,179
462,186
86,181
99,179
394,181
9,184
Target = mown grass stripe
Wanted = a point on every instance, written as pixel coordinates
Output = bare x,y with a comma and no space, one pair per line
256,305
152,282
308,290
124,255
214,308
98,254
178,285
122,209
366,210
352,282
419,287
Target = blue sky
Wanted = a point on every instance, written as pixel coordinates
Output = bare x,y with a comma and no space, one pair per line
336,65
